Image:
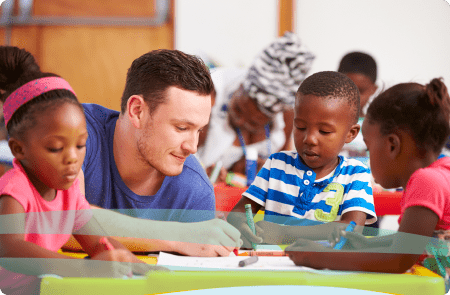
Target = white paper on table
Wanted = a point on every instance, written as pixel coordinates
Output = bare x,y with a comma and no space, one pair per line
278,263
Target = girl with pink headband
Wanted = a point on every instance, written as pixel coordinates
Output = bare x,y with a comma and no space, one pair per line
41,204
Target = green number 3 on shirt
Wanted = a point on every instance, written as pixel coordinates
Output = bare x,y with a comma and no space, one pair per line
333,202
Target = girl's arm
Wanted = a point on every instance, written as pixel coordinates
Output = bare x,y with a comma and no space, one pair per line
18,255
416,228
12,239
89,238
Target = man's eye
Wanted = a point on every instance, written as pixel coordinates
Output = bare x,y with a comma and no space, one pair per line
54,150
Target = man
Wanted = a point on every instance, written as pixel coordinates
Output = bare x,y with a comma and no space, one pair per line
139,161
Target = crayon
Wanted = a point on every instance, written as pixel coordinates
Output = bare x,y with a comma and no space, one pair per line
251,223
248,261
263,253
342,240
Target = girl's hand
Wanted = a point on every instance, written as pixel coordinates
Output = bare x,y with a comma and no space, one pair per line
117,264
358,241
120,255
306,252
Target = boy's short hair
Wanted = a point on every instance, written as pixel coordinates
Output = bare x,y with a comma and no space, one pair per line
360,63
332,85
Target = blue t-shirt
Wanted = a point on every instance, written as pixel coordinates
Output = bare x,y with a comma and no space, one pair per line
186,197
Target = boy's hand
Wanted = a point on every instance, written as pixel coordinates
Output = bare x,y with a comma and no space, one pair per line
271,233
239,221
336,233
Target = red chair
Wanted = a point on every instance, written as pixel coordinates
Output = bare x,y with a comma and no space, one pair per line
386,203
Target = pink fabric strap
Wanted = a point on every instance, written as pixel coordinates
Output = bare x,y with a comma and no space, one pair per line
31,90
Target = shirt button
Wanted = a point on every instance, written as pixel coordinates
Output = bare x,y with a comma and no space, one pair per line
306,182
309,173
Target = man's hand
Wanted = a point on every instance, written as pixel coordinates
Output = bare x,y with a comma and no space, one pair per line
214,237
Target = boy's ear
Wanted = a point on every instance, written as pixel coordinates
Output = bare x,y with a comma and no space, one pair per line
394,145
16,147
352,133
135,110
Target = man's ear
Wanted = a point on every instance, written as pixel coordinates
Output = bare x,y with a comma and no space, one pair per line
135,110
352,133
393,145
17,148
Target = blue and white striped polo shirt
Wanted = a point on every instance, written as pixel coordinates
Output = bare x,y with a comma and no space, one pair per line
287,188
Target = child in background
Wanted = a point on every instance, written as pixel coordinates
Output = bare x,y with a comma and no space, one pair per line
41,203
361,68
405,130
313,185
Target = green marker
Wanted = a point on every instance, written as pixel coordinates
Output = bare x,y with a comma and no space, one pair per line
251,223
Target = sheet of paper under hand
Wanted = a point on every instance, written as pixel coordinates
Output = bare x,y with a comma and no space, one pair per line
281,263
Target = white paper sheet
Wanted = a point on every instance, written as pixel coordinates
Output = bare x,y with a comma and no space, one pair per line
283,263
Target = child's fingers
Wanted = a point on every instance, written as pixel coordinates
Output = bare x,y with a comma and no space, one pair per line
143,268
356,240
120,269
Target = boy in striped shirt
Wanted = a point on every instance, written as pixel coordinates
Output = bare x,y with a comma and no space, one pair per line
312,185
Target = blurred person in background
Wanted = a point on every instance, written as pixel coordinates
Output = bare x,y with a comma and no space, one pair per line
254,106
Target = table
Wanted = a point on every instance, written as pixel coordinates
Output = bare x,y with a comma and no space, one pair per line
177,281
419,281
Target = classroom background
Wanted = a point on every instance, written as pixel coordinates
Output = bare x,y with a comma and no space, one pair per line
92,43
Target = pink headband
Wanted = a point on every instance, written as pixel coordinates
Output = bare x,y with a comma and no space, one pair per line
31,90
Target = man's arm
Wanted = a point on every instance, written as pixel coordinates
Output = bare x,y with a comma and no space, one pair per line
208,238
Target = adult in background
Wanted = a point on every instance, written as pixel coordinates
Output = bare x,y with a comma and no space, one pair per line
254,107
138,161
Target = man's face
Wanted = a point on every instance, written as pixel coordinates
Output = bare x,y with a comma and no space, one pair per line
244,113
171,133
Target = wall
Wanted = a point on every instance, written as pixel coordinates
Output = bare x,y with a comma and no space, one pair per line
410,39
231,32
93,58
